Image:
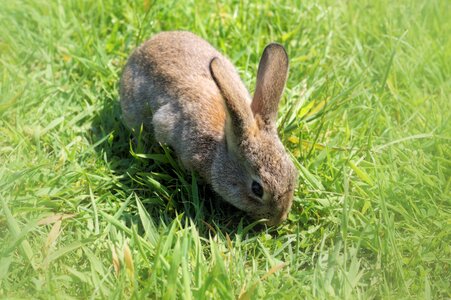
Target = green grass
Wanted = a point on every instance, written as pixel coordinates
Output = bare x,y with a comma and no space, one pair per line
87,213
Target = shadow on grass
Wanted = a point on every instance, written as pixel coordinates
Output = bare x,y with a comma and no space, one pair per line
144,168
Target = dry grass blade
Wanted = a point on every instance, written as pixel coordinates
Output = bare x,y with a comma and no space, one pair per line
246,295
53,235
128,260
115,260
54,218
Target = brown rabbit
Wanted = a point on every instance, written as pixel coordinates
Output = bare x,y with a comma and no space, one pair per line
187,94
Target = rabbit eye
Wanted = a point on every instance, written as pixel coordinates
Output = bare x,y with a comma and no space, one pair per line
257,189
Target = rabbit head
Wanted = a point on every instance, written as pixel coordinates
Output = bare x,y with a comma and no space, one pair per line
252,171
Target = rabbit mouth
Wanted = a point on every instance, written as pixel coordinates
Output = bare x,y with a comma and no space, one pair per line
278,216
271,219
277,220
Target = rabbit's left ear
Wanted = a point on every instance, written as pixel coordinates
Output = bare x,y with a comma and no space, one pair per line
271,77
236,98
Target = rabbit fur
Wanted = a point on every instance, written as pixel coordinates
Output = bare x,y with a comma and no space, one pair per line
190,97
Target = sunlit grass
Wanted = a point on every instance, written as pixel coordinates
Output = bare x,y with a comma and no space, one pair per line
88,212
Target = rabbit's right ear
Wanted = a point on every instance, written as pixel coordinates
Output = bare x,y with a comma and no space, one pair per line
234,93
271,77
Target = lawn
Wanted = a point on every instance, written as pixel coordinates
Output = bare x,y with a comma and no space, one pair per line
89,212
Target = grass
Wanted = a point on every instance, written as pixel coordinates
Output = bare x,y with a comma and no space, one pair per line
87,213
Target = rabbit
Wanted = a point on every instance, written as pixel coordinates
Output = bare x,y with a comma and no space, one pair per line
189,96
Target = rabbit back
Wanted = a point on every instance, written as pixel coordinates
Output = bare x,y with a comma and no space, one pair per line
167,88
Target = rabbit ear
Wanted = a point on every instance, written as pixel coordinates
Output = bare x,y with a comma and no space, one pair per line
271,77
234,93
